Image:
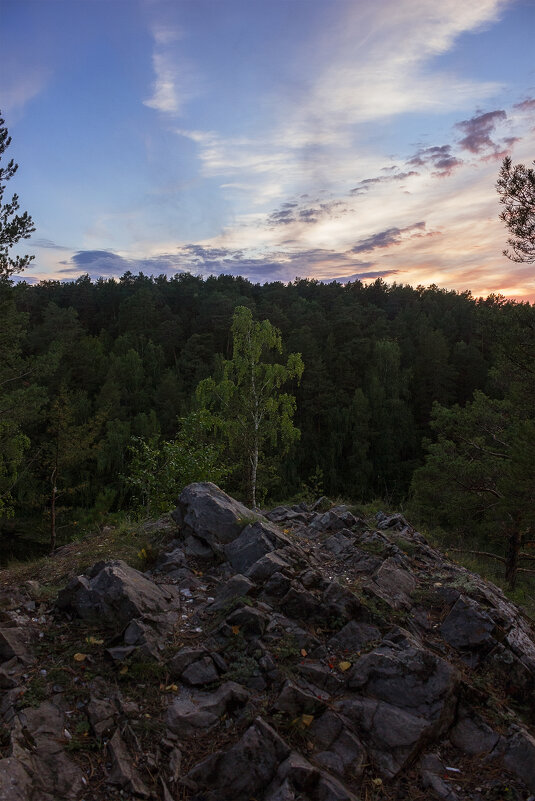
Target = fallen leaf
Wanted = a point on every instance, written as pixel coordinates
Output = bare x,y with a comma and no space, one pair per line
123,670
235,629
377,782
94,641
306,720
79,657
303,652
344,666
172,687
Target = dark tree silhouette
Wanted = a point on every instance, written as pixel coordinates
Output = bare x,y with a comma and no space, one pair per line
516,187
13,226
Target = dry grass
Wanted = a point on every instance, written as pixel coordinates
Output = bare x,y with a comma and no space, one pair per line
125,541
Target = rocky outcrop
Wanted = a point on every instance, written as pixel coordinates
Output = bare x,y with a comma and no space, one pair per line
300,654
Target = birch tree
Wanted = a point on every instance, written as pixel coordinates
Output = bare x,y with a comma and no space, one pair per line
247,404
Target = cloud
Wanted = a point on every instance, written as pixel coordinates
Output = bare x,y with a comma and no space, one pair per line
439,157
477,131
47,243
291,212
175,82
22,88
345,279
384,239
367,183
526,105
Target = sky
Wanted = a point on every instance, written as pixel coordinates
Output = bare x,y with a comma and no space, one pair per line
273,139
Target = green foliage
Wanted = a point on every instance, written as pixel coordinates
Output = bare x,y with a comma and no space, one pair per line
516,187
13,226
247,404
158,471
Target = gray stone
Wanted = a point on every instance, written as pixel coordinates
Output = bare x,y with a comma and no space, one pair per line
299,603
397,584
114,594
15,781
193,711
37,737
13,644
123,771
210,514
354,636
251,621
102,715
294,701
339,602
256,540
321,676
201,672
277,586
472,735
236,587
467,626
244,770
519,757
186,656
265,567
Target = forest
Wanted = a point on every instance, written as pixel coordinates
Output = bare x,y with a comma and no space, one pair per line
89,369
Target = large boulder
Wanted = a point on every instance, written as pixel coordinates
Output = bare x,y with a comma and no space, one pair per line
208,514
113,594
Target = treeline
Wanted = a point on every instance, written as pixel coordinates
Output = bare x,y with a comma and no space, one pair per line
87,365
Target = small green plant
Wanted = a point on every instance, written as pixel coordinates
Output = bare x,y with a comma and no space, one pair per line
34,693
248,520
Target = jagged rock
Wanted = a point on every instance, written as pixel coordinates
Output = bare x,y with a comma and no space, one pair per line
251,621
432,770
339,602
256,540
299,603
354,637
210,514
123,771
406,696
322,677
186,656
37,748
519,756
13,644
265,567
15,781
114,594
236,587
295,701
245,769
277,585
467,626
472,735
201,672
397,583
335,519
102,715
193,711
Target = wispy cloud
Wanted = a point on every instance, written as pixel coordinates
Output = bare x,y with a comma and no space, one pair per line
175,80
385,239
477,132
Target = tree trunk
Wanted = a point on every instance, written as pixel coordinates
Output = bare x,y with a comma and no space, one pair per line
512,556
254,469
53,512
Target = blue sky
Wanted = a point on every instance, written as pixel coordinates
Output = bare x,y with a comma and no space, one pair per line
270,138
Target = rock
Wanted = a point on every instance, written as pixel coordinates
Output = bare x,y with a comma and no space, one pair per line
299,603
353,637
295,701
37,737
395,583
236,587
201,672
114,594
277,586
467,626
209,514
519,757
102,715
431,770
13,644
244,770
472,735
190,712
123,771
251,621
186,656
256,540
339,602
265,567
322,677
15,781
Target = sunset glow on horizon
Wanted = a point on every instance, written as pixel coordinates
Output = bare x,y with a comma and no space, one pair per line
328,139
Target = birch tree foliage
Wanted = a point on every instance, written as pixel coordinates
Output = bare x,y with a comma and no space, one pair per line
247,403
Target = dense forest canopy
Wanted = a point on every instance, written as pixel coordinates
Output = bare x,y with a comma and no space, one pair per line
97,363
